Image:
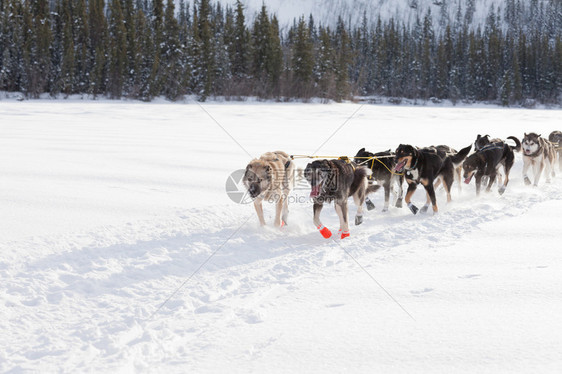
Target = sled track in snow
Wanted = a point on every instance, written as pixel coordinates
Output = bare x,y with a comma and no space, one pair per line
121,275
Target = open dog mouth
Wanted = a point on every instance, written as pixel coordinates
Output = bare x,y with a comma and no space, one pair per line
400,166
527,151
468,179
315,191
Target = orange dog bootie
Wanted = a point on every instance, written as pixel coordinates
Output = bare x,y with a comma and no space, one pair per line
326,233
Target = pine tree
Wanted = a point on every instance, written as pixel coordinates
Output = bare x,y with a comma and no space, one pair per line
326,62
68,61
469,13
505,89
11,56
302,61
222,73
133,61
144,57
98,47
517,92
117,50
207,56
240,50
260,49
343,61
426,57
38,60
171,55
155,80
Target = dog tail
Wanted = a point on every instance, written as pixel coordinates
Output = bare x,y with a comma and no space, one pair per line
458,158
359,175
517,147
372,188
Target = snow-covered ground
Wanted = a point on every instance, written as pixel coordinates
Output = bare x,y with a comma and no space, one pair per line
121,251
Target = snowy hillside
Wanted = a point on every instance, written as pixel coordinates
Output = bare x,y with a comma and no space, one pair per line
352,11
121,251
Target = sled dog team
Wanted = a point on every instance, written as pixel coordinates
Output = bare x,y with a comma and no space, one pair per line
272,176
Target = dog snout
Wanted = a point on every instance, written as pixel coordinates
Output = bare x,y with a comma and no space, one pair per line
254,189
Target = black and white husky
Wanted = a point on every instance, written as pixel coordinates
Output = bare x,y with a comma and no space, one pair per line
539,154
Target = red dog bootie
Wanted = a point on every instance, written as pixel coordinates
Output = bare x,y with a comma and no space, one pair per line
326,233
344,234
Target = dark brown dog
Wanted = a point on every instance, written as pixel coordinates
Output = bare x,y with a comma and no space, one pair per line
336,180
486,161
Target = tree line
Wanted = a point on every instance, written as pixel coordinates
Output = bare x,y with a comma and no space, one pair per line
142,49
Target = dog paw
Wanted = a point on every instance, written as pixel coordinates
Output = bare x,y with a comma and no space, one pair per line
326,233
501,190
527,180
344,234
370,205
424,208
399,203
385,209
414,209
358,220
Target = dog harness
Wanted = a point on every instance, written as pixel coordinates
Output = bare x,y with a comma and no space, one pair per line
490,146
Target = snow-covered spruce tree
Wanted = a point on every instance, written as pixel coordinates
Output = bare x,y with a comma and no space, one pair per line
157,24
172,72
239,52
143,57
38,40
67,70
260,47
98,47
343,62
204,50
324,69
117,50
11,41
302,63
133,60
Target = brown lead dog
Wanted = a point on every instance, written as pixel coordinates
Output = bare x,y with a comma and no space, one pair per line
425,166
336,180
272,178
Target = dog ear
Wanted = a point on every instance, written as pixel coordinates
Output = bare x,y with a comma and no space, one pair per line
538,136
361,150
478,137
248,171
